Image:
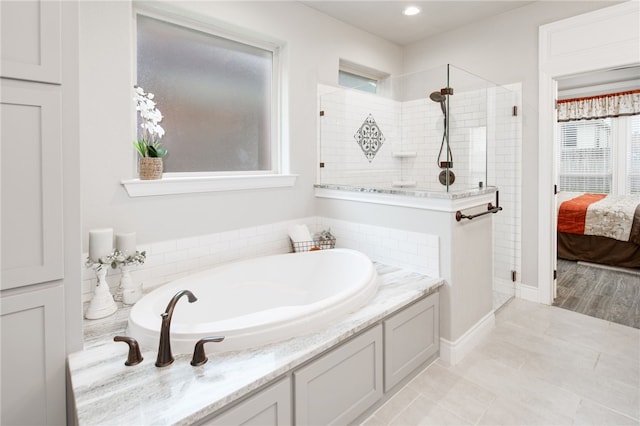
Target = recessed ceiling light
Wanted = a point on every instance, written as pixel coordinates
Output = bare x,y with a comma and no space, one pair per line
411,10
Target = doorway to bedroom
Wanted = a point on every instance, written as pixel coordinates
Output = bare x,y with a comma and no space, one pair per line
597,167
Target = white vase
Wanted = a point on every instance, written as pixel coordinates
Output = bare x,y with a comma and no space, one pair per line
131,292
102,304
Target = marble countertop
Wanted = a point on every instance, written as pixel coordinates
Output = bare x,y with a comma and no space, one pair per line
108,392
413,192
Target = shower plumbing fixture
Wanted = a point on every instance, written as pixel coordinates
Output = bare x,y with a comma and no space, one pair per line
440,98
165,357
446,177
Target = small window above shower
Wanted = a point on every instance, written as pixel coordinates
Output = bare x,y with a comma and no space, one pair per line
359,77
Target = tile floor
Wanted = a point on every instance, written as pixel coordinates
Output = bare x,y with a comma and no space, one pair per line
541,365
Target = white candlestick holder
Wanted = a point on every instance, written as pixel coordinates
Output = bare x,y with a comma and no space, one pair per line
131,292
102,303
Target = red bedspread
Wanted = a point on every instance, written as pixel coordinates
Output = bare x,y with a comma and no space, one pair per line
572,213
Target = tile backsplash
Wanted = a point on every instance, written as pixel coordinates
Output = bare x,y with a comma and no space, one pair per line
173,259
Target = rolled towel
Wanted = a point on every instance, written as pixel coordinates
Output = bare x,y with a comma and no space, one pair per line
299,233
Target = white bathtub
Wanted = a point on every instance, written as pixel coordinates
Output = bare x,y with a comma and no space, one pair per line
258,301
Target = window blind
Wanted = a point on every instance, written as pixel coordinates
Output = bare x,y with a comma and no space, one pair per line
585,156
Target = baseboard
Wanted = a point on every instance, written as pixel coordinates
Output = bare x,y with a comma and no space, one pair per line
528,292
453,352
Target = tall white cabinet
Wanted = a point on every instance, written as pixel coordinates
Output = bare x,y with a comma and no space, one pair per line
39,208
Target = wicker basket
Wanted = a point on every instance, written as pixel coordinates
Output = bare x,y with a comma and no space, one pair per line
313,245
150,168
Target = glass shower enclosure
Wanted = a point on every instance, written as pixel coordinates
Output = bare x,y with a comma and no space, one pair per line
443,130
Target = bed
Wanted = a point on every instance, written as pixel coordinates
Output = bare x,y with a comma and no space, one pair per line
600,228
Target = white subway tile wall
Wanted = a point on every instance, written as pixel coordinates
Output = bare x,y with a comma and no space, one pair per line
344,161
409,126
173,259
414,251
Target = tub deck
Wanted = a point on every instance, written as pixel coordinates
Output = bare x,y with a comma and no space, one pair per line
107,392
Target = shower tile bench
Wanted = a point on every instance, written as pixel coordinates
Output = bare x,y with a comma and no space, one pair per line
339,374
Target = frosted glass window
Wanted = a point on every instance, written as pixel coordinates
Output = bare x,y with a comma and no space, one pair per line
354,81
585,156
216,96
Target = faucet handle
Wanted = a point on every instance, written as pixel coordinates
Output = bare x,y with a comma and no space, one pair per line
199,356
134,357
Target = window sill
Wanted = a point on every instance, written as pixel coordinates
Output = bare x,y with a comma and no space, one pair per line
171,185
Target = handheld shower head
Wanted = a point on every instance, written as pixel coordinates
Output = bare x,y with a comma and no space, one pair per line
440,98
437,97
446,177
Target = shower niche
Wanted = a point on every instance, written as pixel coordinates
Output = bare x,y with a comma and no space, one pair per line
426,131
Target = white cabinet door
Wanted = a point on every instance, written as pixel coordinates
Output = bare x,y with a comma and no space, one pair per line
33,358
269,407
411,336
338,387
31,40
32,305
32,235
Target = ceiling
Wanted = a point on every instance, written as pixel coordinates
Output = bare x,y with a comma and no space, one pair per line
385,18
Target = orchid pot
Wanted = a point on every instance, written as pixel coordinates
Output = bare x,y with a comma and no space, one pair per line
148,145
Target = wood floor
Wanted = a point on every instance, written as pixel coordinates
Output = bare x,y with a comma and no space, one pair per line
602,293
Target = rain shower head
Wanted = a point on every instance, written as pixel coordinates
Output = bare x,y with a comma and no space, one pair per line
440,98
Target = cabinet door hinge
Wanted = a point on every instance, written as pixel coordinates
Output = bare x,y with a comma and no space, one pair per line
555,274
514,111
321,113
513,276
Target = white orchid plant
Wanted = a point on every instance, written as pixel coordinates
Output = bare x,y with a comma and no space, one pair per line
149,145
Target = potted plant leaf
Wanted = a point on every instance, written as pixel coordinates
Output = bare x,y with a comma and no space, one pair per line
148,145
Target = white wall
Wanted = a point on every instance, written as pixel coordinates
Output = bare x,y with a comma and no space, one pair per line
313,45
504,49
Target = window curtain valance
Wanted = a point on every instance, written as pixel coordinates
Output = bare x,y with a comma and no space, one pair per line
603,106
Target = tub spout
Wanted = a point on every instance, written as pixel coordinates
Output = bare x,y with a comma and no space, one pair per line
165,357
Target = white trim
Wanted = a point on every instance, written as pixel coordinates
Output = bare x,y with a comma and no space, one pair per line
453,352
527,292
546,180
438,201
189,185
569,47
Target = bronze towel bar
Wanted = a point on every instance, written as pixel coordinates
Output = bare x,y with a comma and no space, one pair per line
490,209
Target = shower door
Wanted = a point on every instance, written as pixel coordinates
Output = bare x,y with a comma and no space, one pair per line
505,154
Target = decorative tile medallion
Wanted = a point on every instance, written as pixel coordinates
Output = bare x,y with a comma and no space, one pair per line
369,137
